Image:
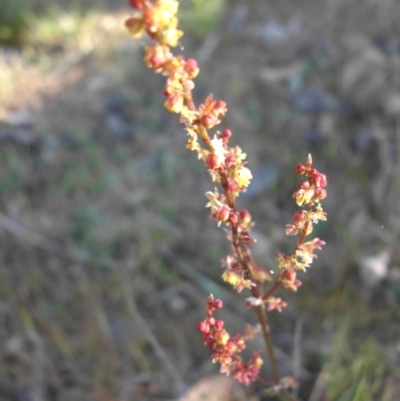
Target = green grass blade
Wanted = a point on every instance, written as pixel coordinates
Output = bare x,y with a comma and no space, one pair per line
351,393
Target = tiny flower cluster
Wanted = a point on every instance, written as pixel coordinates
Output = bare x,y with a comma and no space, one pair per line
234,274
158,20
225,348
223,213
309,195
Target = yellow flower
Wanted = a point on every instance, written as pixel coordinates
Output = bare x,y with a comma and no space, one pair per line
174,103
303,196
222,337
242,176
236,280
170,37
319,214
168,6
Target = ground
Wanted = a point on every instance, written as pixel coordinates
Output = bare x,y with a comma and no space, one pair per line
107,252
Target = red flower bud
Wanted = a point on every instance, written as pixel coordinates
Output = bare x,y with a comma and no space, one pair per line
155,61
233,217
218,304
299,217
305,185
139,4
233,186
174,103
219,324
319,180
223,213
245,237
245,216
230,158
230,347
192,68
319,194
226,134
210,342
208,121
213,162
219,107
291,275
203,326
300,169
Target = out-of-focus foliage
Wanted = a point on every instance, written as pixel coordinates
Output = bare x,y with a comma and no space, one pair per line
201,17
356,371
12,21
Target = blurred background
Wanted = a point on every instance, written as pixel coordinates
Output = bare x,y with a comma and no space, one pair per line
107,253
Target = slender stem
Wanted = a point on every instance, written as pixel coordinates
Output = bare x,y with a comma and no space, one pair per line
261,313
188,97
275,286
262,317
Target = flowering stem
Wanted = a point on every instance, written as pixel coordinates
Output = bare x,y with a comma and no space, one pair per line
227,166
